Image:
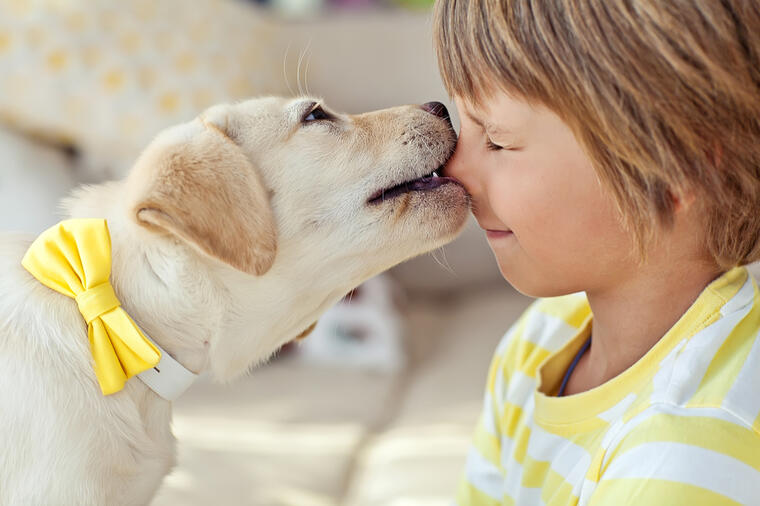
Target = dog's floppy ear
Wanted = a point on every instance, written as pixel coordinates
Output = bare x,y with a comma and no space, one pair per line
202,188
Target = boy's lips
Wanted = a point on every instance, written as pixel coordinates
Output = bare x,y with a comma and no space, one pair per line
482,220
494,232
497,234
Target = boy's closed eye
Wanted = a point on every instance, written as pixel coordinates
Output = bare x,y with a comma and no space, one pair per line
491,131
493,146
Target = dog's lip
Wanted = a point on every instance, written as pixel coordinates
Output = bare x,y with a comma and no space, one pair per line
425,183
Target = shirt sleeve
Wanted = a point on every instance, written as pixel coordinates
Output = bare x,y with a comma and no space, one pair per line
676,456
482,483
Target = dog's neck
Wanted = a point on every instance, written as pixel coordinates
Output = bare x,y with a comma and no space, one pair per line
158,286
206,315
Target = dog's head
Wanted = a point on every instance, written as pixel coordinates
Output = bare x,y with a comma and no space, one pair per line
272,186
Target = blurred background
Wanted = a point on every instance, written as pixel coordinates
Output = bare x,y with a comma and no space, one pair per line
377,406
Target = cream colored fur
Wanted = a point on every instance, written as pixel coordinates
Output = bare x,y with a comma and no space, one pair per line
232,234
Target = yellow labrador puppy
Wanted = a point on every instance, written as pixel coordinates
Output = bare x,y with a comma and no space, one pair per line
230,237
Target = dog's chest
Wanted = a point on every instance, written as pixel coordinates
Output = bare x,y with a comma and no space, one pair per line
144,450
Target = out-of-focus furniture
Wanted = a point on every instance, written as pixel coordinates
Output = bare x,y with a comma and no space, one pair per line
107,76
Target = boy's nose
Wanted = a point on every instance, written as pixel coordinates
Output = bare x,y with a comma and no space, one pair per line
453,167
463,169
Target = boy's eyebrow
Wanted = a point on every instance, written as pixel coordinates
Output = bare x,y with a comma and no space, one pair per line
474,119
488,127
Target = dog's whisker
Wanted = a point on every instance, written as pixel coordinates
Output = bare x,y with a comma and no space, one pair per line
298,74
444,264
446,261
306,75
285,69
301,91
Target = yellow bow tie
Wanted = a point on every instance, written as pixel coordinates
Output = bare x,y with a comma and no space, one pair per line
74,258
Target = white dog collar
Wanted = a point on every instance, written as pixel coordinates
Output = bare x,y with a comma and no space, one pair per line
168,378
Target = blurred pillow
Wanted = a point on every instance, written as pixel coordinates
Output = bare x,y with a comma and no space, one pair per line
106,76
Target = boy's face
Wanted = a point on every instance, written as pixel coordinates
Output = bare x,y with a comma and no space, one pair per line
550,225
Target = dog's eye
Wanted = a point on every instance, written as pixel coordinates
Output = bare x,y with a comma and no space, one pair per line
316,114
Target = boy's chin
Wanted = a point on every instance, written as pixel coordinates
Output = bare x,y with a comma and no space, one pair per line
530,281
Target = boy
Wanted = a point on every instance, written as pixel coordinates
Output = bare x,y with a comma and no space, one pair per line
612,147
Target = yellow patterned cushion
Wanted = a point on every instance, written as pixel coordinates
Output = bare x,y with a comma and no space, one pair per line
107,75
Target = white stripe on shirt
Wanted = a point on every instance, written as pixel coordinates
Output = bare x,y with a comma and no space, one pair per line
692,363
547,331
483,475
743,398
688,464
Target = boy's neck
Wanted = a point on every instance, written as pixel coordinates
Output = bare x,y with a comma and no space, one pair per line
630,318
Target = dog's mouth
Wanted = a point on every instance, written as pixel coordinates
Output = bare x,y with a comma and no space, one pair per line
425,183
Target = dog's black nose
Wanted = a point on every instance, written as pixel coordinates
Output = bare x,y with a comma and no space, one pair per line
436,108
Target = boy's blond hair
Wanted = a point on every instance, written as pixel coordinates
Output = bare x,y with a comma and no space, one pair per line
664,96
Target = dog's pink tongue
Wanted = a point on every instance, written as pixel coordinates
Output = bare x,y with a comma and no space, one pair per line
428,183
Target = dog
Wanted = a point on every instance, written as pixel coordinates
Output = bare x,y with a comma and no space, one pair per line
230,236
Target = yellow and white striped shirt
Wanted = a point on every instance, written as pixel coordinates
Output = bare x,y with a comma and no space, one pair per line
679,427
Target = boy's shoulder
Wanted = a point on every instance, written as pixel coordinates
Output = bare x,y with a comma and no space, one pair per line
545,326
572,309
547,318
